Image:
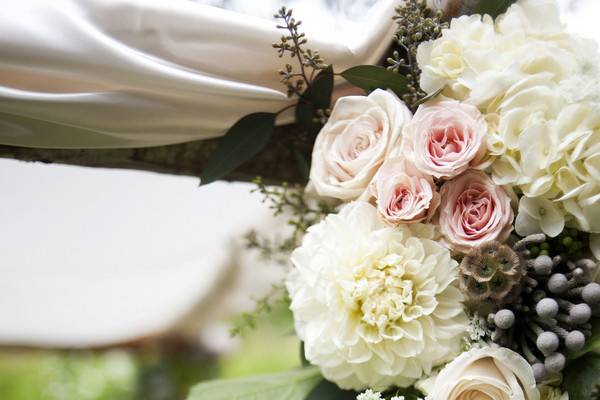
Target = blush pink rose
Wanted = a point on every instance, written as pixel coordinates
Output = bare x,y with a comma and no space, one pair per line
403,194
445,138
474,211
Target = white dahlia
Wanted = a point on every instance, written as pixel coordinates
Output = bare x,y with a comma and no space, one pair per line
375,306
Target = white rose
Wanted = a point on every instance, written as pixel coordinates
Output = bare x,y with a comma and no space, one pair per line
353,144
485,373
376,306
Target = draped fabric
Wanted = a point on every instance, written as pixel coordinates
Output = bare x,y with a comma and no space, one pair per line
132,73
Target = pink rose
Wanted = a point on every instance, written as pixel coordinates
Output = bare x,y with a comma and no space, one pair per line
403,194
474,210
445,137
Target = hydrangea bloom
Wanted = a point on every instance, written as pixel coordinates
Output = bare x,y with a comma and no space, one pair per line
540,99
375,305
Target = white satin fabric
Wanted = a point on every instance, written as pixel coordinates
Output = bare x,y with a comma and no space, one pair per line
130,73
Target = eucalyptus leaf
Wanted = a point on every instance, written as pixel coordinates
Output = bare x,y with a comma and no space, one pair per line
317,96
493,7
371,77
582,377
292,385
245,139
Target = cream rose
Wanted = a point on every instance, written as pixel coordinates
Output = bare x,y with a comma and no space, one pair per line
445,137
474,211
486,373
403,194
351,147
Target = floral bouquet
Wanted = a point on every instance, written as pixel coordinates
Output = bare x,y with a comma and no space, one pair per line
446,242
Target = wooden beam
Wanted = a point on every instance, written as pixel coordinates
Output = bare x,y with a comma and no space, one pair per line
277,163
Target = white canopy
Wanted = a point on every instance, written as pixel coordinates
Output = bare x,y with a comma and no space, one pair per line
130,73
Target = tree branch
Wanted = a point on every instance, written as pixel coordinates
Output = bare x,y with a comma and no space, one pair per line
276,163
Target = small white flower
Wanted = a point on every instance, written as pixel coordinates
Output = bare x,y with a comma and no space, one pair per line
369,395
477,328
376,306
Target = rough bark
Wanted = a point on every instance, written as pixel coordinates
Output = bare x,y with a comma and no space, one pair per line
276,163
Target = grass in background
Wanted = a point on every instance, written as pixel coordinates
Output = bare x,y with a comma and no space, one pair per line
155,371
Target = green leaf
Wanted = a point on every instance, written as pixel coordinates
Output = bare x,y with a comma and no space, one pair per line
493,7
293,385
243,140
302,162
326,390
371,77
582,376
317,96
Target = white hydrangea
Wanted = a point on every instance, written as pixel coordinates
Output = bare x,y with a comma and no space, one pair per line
454,60
376,306
541,98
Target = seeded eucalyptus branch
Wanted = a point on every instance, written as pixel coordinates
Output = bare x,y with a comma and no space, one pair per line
292,43
416,24
264,305
274,249
291,200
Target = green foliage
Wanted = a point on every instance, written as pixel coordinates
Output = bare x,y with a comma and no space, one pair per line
493,7
271,348
276,249
371,77
315,102
292,201
326,390
582,378
81,375
243,140
409,393
416,24
293,385
264,305
292,43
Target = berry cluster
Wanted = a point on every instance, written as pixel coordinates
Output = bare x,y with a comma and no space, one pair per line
538,297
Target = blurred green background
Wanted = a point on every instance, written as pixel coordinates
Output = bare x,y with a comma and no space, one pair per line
161,369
